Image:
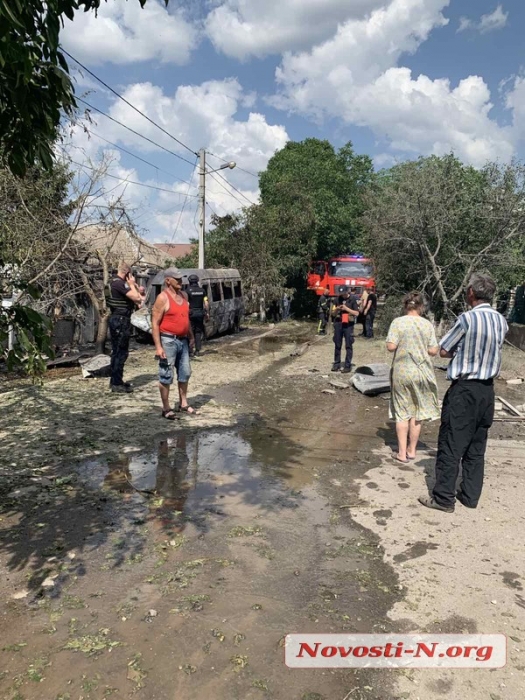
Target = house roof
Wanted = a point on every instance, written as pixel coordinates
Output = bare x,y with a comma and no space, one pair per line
119,243
175,250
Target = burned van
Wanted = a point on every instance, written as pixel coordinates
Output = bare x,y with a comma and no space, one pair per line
223,288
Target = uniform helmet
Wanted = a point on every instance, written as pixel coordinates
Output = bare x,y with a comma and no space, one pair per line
193,279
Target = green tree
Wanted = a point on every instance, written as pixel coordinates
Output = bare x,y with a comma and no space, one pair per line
34,78
334,184
432,222
34,232
267,244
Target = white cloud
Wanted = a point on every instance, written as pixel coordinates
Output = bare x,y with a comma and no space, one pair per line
488,23
355,76
122,32
242,28
201,116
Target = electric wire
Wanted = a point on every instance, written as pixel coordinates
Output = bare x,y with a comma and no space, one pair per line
236,190
237,167
132,182
224,188
124,150
105,114
129,103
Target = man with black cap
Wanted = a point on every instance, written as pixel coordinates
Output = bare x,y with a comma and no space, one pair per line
344,315
198,311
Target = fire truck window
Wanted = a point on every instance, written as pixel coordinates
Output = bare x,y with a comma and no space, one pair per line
216,291
319,269
238,290
350,269
227,290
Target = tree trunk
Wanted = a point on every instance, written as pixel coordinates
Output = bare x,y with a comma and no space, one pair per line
102,332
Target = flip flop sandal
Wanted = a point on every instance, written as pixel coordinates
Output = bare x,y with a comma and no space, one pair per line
186,409
170,415
401,461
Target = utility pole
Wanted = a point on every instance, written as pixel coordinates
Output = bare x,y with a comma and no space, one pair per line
202,205
202,199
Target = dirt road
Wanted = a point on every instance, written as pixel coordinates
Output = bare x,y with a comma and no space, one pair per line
143,558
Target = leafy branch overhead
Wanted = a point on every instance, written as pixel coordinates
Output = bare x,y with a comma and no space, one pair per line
35,85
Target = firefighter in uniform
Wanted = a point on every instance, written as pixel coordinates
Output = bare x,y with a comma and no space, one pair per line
323,312
344,315
198,311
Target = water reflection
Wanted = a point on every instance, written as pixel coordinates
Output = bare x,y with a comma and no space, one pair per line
194,477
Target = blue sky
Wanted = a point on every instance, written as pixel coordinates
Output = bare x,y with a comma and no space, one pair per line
399,78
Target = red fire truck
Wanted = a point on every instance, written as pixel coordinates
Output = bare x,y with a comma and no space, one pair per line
342,273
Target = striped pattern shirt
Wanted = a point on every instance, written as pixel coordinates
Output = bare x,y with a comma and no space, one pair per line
476,342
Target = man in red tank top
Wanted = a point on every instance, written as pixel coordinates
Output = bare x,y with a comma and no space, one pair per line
173,337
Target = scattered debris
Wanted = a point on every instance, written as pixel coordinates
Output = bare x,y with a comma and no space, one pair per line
240,531
509,406
136,673
517,380
329,391
372,379
49,582
98,366
239,662
92,644
339,385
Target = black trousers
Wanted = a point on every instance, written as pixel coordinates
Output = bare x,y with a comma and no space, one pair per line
369,324
323,315
468,412
197,326
344,332
120,330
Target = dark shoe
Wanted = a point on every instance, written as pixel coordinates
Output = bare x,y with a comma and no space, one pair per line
335,367
121,389
346,370
431,503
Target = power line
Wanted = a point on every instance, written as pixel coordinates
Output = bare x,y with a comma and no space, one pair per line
237,167
124,150
129,103
234,188
212,209
185,202
227,192
131,182
177,155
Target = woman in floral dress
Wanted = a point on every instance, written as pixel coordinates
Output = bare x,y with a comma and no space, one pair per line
412,339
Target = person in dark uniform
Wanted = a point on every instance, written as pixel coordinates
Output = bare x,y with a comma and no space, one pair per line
124,295
370,314
198,311
344,315
323,312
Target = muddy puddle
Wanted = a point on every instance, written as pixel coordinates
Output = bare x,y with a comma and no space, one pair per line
185,479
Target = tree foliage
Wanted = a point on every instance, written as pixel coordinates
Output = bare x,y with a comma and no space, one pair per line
332,182
58,246
267,244
432,222
34,78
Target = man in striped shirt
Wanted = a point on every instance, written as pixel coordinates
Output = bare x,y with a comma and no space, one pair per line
474,346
